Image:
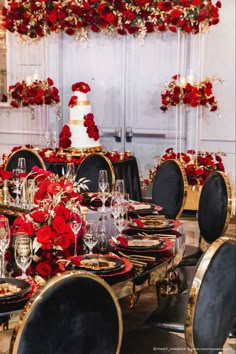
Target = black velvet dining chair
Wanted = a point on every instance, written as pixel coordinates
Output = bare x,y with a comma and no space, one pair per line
89,168
76,312
208,312
214,212
170,188
31,156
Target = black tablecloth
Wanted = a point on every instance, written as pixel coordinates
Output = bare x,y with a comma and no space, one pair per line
124,169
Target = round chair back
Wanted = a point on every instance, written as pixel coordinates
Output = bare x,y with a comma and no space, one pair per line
90,167
214,210
211,306
170,188
32,158
76,312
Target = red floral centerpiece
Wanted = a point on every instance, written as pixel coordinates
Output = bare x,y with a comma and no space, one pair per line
36,93
197,166
188,94
32,19
49,222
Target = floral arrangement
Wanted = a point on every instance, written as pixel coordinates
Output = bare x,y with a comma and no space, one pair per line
189,94
64,137
36,93
32,19
197,166
49,222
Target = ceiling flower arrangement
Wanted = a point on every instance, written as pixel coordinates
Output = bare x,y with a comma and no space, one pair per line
37,92
36,19
197,166
190,94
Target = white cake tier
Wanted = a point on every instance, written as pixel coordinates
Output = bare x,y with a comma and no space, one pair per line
78,112
79,137
81,96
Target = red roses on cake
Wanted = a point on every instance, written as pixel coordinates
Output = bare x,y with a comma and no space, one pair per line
81,87
92,129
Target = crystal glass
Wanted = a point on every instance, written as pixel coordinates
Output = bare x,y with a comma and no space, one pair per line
75,223
102,180
48,139
4,241
120,187
23,253
21,164
103,226
70,171
91,235
16,182
104,195
54,139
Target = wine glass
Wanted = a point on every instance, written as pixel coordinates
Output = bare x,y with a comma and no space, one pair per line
16,182
70,171
54,139
4,241
23,253
75,223
104,196
21,164
102,180
48,139
120,187
91,235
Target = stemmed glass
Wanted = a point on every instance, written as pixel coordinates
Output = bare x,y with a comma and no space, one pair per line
16,181
91,235
104,196
48,139
70,171
23,253
102,180
54,139
75,223
4,241
21,164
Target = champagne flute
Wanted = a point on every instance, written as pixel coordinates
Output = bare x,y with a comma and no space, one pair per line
120,187
70,171
23,254
104,196
54,139
21,164
4,241
75,223
102,180
91,235
48,139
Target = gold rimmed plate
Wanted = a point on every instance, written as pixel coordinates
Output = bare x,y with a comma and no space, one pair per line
137,242
143,224
11,288
99,264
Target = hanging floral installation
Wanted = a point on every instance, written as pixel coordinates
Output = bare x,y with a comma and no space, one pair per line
190,94
36,19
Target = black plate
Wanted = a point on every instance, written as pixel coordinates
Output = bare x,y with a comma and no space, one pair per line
20,283
119,264
143,248
166,224
144,211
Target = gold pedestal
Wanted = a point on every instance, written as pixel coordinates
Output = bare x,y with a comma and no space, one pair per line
193,196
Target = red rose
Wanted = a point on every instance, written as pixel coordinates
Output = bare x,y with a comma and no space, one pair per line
58,224
43,269
50,81
44,235
39,216
53,188
80,86
62,211
123,241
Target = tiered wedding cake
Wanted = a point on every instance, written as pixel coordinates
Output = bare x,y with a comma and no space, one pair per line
81,132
